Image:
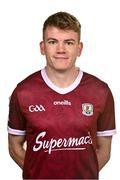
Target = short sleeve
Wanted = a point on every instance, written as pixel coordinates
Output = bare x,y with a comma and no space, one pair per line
16,120
106,120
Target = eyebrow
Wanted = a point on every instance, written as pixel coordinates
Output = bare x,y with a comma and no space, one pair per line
69,40
51,39
64,39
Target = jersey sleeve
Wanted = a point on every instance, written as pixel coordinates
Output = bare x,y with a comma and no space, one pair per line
106,121
16,120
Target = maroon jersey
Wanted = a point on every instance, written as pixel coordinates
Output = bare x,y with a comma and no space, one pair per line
61,125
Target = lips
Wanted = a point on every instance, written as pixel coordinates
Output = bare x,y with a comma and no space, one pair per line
61,57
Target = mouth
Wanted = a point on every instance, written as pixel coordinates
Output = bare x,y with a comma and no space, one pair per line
61,57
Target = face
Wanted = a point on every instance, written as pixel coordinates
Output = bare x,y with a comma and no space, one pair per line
61,48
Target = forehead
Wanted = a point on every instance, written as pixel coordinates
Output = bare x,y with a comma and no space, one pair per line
56,33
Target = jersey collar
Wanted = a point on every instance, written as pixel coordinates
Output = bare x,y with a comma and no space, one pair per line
62,90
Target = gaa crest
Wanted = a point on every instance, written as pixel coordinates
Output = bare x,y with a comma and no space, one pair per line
87,109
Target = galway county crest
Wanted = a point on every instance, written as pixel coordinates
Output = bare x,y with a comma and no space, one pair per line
87,109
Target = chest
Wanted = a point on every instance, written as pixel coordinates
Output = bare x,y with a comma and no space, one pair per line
61,114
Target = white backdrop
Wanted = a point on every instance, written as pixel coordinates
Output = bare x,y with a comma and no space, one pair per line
20,32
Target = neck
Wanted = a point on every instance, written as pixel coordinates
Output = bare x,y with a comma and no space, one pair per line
62,79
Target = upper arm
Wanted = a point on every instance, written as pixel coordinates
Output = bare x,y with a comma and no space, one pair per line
104,144
103,150
15,140
16,149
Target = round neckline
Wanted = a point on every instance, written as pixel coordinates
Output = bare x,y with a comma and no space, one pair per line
58,89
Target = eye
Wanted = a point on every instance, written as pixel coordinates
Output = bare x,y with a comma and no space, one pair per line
52,42
69,43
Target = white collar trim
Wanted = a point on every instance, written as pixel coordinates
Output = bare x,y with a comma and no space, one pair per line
62,90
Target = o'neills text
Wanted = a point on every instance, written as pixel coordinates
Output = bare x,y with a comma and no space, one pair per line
61,143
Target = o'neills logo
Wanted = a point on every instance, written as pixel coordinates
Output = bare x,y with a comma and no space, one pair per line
64,103
60,144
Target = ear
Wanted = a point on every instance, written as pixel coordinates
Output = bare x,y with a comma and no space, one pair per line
80,47
42,48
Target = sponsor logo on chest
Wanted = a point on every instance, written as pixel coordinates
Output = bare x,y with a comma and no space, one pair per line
61,144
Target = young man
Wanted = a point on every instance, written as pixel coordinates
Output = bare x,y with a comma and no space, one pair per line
65,116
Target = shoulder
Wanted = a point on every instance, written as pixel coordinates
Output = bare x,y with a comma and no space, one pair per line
95,84
89,78
28,84
96,90
32,78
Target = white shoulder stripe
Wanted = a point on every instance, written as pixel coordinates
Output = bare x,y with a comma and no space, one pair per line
16,132
106,133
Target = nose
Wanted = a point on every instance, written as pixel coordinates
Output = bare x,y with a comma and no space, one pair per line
60,47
